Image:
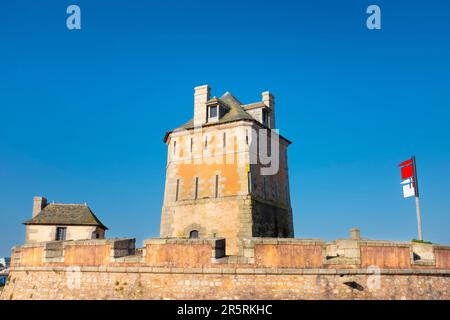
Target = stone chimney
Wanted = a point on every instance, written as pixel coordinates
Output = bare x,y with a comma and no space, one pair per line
38,204
201,96
355,234
269,100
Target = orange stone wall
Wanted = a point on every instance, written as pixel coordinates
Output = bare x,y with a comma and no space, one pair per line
269,268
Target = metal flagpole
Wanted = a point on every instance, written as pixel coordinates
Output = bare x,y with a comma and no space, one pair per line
416,192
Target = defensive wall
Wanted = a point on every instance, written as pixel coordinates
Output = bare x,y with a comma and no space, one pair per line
269,268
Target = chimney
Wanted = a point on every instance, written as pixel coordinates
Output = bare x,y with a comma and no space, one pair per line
355,234
201,96
38,204
269,100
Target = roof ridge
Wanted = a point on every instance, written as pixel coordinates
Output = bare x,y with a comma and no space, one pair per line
66,214
69,204
229,94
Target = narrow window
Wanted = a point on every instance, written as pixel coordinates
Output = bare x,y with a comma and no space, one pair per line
206,142
264,188
178,190
193,234
275,190
217,186
224,139
249,182
61,233
174,147
192,143
286,194
278,191
196,188
246,136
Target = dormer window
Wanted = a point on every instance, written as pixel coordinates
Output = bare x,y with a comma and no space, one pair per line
213,113
216,110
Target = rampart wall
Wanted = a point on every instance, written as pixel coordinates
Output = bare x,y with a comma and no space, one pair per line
269,268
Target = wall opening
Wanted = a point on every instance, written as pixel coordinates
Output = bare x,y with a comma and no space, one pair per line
196,188
178,190
61,233
193,234
217,187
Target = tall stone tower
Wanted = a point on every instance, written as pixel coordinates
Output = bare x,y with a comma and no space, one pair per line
217,183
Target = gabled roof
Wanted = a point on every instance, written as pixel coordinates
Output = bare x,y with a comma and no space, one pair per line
235,113
66,214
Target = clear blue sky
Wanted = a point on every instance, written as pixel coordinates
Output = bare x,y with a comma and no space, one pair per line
83,113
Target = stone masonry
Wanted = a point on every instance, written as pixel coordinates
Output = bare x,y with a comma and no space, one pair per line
212,187
269,268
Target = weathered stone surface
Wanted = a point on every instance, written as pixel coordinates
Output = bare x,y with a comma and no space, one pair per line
214,187
236,284
186,269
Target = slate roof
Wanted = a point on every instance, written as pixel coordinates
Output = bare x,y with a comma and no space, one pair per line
66,214
237,112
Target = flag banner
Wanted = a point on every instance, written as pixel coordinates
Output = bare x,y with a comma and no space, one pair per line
408,188
407,172
408,178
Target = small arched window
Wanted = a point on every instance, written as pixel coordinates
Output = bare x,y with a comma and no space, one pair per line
193,234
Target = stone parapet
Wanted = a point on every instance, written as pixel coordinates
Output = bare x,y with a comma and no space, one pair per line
254,253
183,252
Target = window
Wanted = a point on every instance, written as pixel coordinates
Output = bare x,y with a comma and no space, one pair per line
213,114
192,143
196,188
178,189
61,233
246,136
193,234
286,193
265,117
174,147
264,188
224,139
206,142
275,190
249,181
217,186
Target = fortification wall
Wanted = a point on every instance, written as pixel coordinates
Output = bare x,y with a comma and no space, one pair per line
199,269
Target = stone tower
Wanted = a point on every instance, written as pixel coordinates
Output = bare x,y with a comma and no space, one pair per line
215,180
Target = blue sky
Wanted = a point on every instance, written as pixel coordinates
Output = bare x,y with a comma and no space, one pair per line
83,113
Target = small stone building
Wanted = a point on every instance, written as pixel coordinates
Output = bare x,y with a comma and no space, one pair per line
213,188
59,221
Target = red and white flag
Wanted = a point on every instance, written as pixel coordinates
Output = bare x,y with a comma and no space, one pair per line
408,183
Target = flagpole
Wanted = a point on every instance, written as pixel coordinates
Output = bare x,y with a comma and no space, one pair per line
416,189
419,222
